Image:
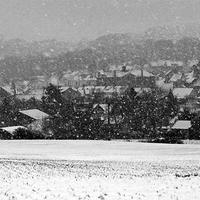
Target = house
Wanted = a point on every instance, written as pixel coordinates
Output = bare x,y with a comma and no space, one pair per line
175,77
182,125
36,93
98,111
39,82
90,80
12,129
70,93
78,79
103,107
188,98
101,110
136,78
32,116
182,93
4,94
141,90
86,90
8,132
190,78
163,85
166,63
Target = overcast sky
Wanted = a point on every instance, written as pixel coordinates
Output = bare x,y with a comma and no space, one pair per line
79,19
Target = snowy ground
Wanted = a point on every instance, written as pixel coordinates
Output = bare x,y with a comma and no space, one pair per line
98,170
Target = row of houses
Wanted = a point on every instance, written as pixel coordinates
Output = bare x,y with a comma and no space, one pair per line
114,81
32,119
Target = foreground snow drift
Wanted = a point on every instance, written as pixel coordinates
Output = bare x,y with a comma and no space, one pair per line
31,179
102,170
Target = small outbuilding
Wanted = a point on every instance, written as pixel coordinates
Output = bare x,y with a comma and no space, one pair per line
181,127
33,118
8,132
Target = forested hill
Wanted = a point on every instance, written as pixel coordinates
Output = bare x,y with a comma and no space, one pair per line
24,59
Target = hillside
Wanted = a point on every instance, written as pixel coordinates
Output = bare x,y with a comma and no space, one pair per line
24,59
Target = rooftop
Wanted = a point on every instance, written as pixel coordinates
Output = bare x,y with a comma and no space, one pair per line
182,93
12,129
35,114
182,125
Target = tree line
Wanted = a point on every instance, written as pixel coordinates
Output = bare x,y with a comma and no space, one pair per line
131,116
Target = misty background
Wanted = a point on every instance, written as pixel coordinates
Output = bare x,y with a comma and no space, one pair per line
41,37
74,20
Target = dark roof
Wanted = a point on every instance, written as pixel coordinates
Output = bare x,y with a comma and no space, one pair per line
4,93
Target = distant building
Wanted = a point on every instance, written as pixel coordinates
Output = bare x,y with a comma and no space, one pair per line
8,132
70,93
136,78
78,79
27,117
182,93
182,125
4,94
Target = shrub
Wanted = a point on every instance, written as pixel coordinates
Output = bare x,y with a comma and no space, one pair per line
4,135
26,134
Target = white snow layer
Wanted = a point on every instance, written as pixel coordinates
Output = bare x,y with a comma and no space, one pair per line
98,170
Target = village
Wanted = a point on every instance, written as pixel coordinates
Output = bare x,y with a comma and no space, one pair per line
100,103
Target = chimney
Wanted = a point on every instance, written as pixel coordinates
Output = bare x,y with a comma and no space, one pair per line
114,73
142,78
142,73
124,68
13,86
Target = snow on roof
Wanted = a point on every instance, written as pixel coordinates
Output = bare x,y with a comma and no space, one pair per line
120,89
140,90
54,80
129,67
72,75
173,120
139,73
196,83
29,96
109,89
109,74
192,62
182,124
165,86
12,129
190,77
121,74
35,114
8,89
63,89
86,89
99,88
114,67
182,92
168,63
175,77
103,106
168,72
90,78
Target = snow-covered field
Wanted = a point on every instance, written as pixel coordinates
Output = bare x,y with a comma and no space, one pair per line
98,170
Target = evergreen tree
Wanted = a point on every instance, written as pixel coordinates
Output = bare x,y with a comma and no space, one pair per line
52,99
